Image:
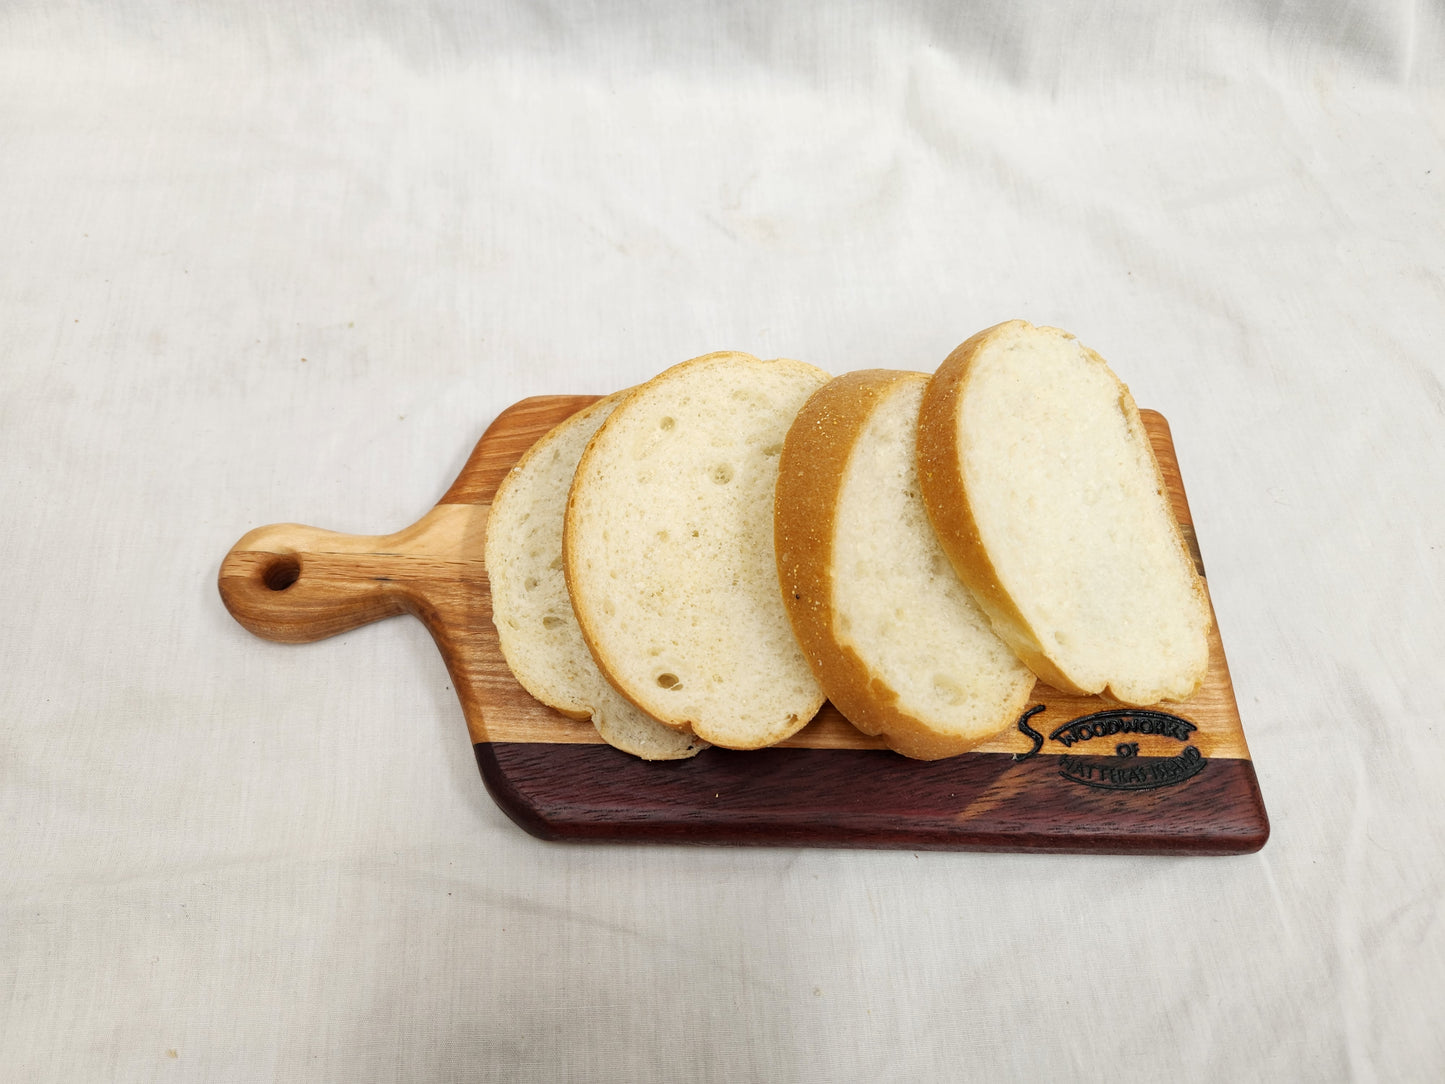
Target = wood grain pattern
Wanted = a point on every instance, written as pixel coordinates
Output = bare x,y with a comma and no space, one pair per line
830,784
865,798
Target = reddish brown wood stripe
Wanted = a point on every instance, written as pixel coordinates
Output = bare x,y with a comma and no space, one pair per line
866,798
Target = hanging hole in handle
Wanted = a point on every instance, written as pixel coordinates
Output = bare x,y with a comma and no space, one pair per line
282,572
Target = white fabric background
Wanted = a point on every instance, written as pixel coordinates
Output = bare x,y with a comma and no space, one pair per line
261,265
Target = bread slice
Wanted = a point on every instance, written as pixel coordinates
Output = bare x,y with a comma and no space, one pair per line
537,630
894,637
669,550
1044,491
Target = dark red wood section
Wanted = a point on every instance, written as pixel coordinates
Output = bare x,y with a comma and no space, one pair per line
870,798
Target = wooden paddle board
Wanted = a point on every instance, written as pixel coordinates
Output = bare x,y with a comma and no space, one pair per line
1077,774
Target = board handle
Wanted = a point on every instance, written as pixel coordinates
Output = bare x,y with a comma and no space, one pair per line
295,584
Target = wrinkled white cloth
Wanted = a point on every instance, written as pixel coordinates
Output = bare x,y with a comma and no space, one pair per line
260,265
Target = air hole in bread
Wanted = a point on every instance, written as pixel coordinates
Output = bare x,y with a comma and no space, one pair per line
722,474
669,681
773,449
551,622
556,565
667,423
530,583
947,689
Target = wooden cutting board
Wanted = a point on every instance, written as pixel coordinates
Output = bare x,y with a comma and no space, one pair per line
1078,774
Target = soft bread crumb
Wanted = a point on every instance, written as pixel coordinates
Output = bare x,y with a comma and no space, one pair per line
1041,481
669,550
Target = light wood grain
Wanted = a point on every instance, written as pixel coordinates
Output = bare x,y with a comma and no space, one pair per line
295,584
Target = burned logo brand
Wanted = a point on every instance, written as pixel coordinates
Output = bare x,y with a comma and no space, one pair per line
1125,770
1122,721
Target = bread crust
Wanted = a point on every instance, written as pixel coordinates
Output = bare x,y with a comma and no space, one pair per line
940,471
811,474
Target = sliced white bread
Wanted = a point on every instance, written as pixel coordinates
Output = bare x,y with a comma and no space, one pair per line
894,637
1040,481
536,627
669,550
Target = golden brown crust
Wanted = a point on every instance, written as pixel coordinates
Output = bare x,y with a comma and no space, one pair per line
811,473
811,468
